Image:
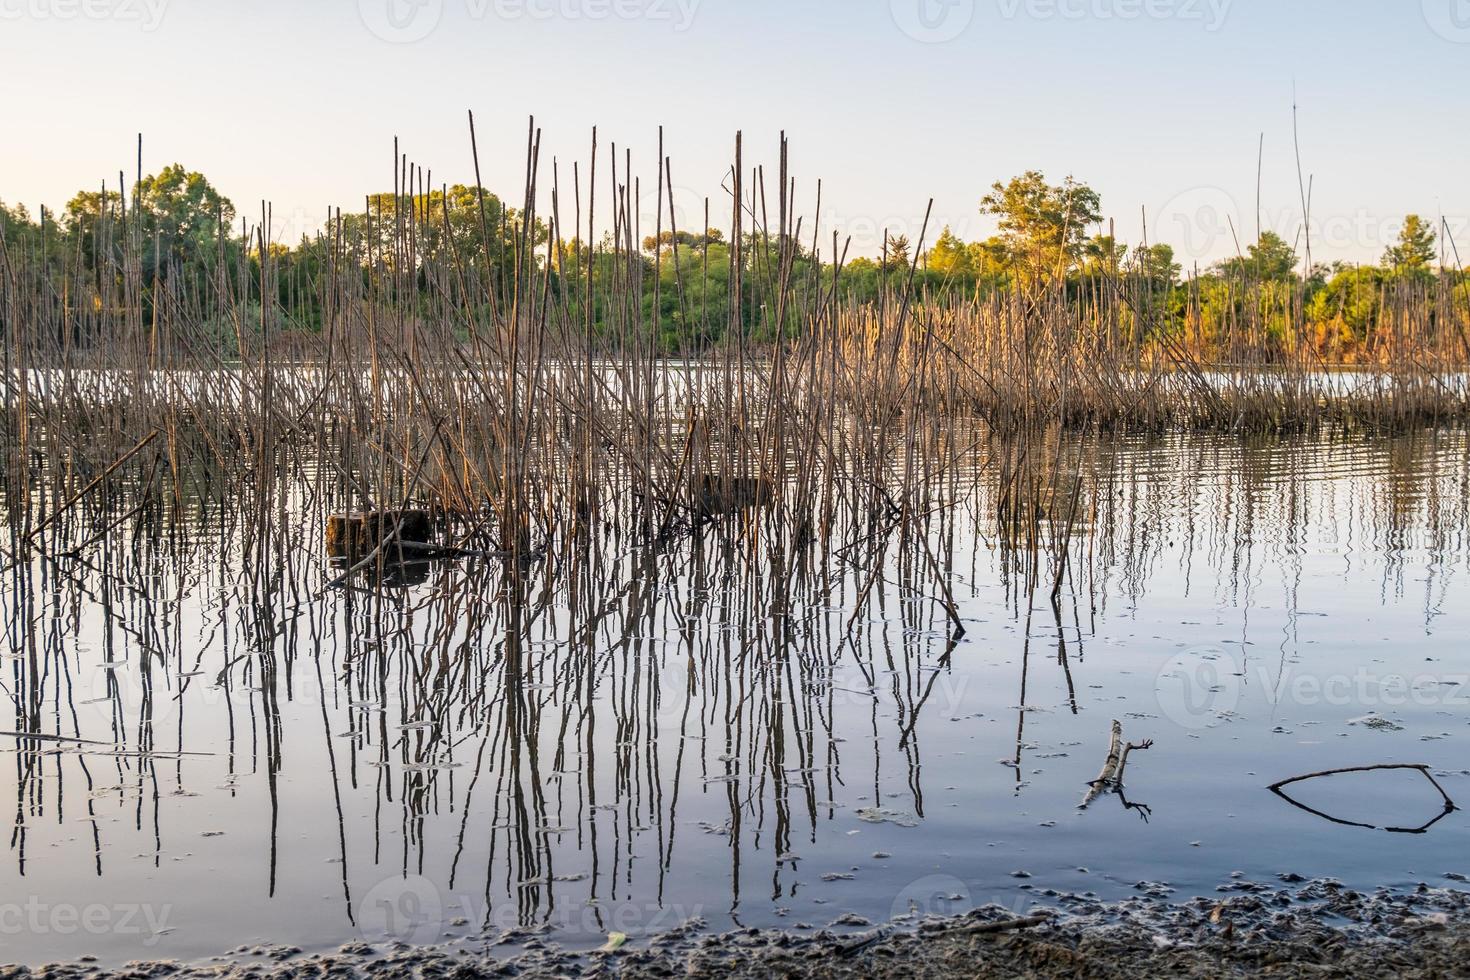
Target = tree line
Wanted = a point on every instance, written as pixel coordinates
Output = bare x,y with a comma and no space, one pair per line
696,289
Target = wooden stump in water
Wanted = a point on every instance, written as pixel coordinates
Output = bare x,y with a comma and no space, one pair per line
714,494
355,535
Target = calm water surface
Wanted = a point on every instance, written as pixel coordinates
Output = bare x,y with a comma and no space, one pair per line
708,731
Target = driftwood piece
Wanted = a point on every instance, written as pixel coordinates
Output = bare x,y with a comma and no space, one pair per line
866,942
1109,774
1009,925
1111,777
1449,805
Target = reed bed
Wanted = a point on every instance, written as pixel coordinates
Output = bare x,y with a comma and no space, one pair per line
529,402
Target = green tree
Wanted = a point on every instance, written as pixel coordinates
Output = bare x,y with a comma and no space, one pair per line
407,232
1347,308
1270,259
685,238
16,226
1044,226
1414,252
694,295
990,261
183,220
93,221
897,250
950,256
1103,255
1155,264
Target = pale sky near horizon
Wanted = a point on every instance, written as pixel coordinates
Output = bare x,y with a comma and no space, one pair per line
1158,104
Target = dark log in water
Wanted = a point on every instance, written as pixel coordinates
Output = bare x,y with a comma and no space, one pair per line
716,495
354,535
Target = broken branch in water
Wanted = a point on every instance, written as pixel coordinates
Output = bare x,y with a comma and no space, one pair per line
1449,804
1143,746
1111,776
1144,810
1110,767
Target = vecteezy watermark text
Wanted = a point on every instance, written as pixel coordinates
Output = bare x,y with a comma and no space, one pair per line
1198,688
938,21
34,917
146,13
407,21
415,910
1208,223
1210,13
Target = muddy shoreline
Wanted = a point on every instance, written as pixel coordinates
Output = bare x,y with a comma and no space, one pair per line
1289,928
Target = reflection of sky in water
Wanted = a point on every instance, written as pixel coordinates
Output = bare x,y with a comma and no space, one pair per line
656,745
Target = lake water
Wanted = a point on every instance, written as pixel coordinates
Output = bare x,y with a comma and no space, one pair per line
717,729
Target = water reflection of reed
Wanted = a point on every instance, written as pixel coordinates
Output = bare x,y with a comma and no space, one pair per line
545,720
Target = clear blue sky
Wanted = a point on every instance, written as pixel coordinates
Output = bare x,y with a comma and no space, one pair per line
1158,104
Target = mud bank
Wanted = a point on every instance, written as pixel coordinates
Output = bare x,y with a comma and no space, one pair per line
1288,929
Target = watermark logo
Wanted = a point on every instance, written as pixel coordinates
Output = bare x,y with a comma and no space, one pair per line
1450,19
120,691
932,895
1196,686
401,21
147,14
408,910
933,21
1198,223
117,690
